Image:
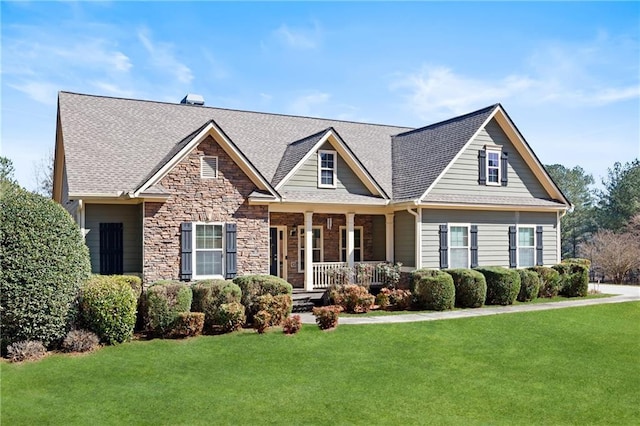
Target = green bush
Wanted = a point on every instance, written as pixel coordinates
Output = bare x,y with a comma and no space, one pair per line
188,324
471,287
574,279
278,307
433,289
132,281
164,301
549,281
44,261
108,308
209,295
254,286
229,317
327,316
261,321
352,298
503,285
578,260
529,285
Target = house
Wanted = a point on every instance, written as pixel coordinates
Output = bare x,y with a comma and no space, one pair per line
184,191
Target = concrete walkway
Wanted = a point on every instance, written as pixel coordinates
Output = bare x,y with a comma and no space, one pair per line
622,293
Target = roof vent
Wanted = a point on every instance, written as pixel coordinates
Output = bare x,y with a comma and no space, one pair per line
192,99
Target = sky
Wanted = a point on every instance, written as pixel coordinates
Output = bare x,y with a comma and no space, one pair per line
568,74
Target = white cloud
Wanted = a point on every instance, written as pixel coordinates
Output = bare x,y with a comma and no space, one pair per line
112,89
308,103
299,38
39,91
162,57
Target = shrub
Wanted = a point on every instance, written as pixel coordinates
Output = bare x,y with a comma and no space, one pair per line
164,301
209,295
390,273
549,281
529,285
188,324
132,281
108,308
433,289
574,279
44,261
261,321
471,287
503,285
352,298
80,341
579,261
382,298
292,325
327,316
229,317
278,307
397,299
26,350
254,286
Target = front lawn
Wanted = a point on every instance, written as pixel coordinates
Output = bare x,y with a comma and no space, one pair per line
567,366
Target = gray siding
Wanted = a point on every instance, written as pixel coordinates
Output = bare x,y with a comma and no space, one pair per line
131,217
404,238
493,234
379,237
462,177
306,178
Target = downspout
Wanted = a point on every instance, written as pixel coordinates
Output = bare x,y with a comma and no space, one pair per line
418,231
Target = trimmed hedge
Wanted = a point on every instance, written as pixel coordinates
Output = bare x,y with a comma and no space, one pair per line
230,317
209,295
278,307
433,289
254,286
503,285
108,308
163,303
549,281
44,261
471,287
574,279
578,260
188,324
529,285
352,298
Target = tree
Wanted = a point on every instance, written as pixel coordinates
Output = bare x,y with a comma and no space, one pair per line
43,171
7,170
615,254
579,224
620,199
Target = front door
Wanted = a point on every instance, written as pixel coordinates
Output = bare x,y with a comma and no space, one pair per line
111,256
277,251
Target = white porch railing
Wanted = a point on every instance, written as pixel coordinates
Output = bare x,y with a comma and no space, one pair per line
325,273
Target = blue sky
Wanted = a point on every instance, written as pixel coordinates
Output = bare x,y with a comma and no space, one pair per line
567,73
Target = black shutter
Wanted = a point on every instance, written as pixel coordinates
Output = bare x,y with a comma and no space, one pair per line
482,167
186,250
512,247
444,247
539,261
111,256
504,161
231,251
474,246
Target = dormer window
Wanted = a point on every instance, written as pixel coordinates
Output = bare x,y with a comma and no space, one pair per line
208,167
493,167
327,164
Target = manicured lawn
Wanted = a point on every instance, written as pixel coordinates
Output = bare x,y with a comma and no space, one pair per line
567,366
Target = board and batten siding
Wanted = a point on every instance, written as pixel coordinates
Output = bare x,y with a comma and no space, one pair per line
306,178
462,176
404,238
130,215
493,234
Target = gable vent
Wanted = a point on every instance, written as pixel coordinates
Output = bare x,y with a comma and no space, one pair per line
192,99
209,167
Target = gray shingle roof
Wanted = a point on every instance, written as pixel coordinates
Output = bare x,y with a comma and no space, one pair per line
294,153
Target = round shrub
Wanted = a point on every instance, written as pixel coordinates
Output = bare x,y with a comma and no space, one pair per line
278,307
132,281
26,350
471,287
230,317
353,298
163,303
327,316
44,261
108,308
209,295
292,325
574,279
187,324
549,281
80,341
503,285
261,321
433,290
529,285
254,286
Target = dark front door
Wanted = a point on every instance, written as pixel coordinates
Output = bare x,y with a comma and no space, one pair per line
111,258
273,251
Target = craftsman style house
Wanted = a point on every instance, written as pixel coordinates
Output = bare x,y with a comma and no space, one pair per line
184,191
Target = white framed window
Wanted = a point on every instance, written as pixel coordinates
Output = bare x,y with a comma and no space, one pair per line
208,250
459,252
493,166
317,246
526,246
208,167
327,166
357,243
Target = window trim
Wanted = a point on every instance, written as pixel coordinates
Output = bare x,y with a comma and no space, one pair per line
334,169
533,247
449,245
497,150
195,251
202,164
301,238
361,228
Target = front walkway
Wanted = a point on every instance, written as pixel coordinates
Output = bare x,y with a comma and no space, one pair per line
623,293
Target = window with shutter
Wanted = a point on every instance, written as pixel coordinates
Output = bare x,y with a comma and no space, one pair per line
459,246
208,249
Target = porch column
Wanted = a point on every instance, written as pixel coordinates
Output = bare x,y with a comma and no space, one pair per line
350,239
389,237
308,251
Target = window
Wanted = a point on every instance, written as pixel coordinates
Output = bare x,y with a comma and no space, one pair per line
526,246
326,169
357,244
493,167
458,246
208,250
209,167
316,241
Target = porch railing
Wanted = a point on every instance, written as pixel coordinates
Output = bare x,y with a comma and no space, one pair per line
325,273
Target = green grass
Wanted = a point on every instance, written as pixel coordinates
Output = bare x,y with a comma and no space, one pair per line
567,366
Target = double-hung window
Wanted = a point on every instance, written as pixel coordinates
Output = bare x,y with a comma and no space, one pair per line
493,167
316,242
357,244
327,165
208,250
459,246
526,246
